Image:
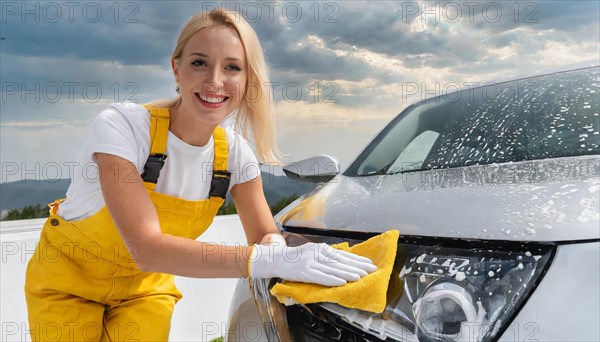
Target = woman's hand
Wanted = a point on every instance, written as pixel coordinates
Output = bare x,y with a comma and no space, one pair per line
316,263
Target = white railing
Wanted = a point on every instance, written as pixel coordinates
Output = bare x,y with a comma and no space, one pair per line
200,316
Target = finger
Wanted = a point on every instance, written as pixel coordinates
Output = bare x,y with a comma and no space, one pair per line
331,255
367,266
328,250
355,257
318,277
340,265
338,272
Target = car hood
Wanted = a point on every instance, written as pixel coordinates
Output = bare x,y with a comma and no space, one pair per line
541,200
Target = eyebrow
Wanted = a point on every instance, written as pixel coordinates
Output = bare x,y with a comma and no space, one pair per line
200,54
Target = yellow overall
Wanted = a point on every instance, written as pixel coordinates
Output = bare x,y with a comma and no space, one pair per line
82,284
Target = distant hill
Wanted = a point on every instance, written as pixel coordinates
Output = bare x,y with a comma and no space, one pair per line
16,195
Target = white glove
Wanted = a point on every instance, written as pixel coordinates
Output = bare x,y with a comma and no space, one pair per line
316,263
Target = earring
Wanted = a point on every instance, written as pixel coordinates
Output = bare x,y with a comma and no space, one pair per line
177,89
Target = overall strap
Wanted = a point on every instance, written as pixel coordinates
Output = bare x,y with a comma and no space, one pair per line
220,180
159,132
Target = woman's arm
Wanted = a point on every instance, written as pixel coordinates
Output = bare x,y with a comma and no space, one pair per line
135,217
137,221
255,213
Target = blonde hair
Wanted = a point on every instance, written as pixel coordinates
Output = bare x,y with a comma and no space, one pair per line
254,118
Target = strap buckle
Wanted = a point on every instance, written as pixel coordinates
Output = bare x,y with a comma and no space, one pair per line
153,166
219,184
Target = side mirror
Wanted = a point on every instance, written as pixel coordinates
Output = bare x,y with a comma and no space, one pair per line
322,168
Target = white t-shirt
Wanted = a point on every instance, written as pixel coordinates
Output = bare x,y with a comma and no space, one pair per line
123,130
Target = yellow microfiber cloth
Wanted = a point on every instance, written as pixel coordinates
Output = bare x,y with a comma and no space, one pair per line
368,293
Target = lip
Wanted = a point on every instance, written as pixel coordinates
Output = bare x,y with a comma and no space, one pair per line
212,104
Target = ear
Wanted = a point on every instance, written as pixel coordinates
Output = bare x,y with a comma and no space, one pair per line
175,67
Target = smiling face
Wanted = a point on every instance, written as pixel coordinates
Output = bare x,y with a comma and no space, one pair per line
211,74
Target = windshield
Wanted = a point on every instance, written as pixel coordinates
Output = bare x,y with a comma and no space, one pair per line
548,116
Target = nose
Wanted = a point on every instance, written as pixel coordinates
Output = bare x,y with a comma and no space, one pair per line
214,82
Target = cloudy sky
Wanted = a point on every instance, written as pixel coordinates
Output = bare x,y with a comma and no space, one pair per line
340,69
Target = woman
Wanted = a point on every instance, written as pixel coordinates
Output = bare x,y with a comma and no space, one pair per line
104,266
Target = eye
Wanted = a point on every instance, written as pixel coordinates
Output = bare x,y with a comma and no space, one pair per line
234,67
198,62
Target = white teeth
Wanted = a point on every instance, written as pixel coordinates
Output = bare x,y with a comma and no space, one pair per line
212,99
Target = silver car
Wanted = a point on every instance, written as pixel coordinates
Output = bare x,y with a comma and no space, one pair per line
495,192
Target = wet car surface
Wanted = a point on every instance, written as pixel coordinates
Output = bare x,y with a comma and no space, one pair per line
496,194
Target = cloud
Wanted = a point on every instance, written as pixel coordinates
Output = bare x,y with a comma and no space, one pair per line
434,38
129,33
340,66
308,129
38,88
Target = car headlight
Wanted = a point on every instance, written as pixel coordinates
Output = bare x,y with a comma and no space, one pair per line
440,290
